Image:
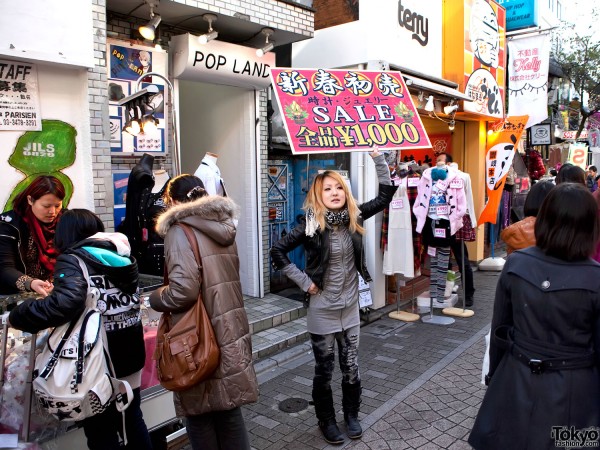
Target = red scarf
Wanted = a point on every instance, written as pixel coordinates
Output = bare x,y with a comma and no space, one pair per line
43,236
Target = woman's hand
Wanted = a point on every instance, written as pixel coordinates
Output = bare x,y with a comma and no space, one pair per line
375,152
42,287
313,289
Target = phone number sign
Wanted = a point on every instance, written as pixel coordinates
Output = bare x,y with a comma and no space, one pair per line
346,110
19,97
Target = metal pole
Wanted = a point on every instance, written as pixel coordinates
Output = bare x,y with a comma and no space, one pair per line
462,274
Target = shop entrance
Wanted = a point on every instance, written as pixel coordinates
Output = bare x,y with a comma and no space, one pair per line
221,120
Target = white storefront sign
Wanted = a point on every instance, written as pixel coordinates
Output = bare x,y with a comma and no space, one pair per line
19,97
220,63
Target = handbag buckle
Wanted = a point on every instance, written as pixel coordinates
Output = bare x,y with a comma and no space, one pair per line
536,366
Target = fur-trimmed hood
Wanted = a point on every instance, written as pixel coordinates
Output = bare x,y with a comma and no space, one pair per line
213,215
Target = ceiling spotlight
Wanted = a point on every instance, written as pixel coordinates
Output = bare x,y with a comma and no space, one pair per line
149,124
268,32
451,125
210,34
450,109
148,31
429,106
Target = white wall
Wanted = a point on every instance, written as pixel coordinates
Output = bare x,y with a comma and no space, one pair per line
220,119
377,35
63,96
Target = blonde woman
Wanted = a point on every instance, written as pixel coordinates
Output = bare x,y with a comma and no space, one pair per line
332,236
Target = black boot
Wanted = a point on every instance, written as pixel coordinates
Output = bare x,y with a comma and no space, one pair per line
323,400
351,404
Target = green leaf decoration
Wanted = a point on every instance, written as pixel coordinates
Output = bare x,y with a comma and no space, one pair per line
45,151
65,180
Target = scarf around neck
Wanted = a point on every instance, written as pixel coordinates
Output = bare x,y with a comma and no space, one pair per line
43,236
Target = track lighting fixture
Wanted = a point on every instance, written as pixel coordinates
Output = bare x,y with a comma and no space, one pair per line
451,125
268,32
136,106
451,108
210,34
429,106
148,31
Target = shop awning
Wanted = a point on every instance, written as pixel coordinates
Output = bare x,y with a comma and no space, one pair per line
414,82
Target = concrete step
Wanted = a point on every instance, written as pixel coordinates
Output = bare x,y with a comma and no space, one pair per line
276,323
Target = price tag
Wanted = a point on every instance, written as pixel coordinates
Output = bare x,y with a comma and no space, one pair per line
431,251
397,203
439,232
457,183
442,210
441,185
413,181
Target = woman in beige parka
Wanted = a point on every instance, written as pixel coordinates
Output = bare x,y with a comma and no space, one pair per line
211,408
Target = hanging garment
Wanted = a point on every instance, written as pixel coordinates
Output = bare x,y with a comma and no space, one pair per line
398,254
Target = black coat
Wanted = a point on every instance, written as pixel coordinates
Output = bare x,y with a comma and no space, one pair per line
14,235
552,308
119,303
317,246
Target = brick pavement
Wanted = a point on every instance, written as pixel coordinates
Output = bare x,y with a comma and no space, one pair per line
421,386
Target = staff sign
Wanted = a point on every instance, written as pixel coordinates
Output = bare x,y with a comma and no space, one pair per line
346,110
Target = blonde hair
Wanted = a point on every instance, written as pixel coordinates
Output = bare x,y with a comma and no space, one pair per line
314,201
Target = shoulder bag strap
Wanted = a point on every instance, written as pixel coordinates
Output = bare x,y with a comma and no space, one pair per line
191,237
86,275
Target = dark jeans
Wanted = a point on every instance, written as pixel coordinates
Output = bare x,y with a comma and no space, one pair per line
324,352
218,430
458,247
102,431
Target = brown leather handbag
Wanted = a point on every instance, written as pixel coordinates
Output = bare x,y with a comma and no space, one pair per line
186,353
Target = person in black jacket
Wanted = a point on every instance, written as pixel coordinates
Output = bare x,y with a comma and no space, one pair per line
106,255
332,236
544,367
27,252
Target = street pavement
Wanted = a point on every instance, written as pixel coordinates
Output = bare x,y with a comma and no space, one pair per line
421,386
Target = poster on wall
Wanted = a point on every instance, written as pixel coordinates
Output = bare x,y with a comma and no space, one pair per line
127,68
578,154
347,110
19,97
120,181
485,57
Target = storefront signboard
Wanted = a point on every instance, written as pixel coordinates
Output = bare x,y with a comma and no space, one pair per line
19,97
501,147
346,110
220,63
540,134
520,13
568,135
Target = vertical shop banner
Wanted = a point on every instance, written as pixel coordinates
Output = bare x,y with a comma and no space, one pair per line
578,154
127,64
501,147
19,97
484,57
345,110
529,61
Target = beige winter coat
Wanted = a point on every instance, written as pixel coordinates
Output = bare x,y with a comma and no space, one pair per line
234,382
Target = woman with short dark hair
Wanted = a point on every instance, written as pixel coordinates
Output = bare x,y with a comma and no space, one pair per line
27,251
544,373
570,173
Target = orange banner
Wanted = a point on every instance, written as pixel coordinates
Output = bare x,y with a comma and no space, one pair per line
500,151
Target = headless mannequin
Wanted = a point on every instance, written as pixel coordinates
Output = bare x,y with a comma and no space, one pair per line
160,179
209,173
440,257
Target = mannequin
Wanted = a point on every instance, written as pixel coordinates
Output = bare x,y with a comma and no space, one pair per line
161,177
466,233
439,208
209,173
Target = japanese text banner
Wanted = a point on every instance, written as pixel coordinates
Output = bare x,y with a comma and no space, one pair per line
345,110
501,147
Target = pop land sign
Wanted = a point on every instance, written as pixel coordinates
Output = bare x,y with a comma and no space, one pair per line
346,110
